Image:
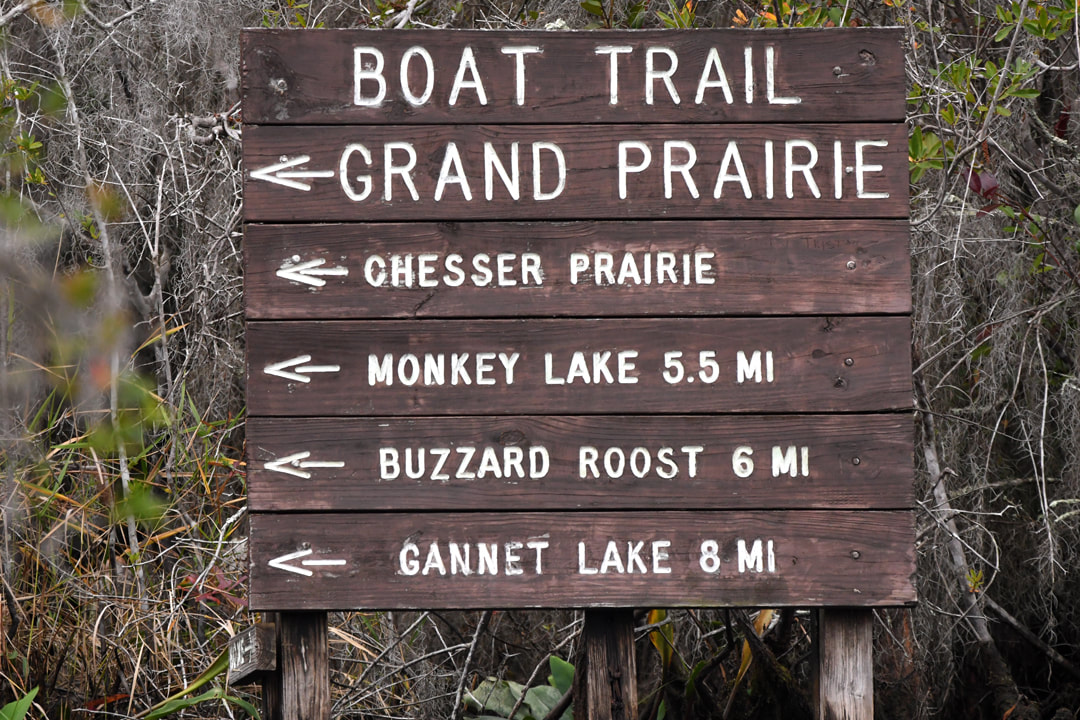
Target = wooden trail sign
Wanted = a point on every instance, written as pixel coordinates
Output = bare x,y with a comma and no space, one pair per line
577,319
577,269
579,366
577,78
626,559
596,462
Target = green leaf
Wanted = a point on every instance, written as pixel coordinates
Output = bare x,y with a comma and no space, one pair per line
171,706
1002,33
562,674
220,665
593,7
915,143
18,709
1024,93
1076,215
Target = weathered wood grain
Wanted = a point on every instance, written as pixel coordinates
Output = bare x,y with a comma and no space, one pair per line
252,653
304,673
846,364
605,673
819,559
845,668
594,462
591,157
373,270
840,75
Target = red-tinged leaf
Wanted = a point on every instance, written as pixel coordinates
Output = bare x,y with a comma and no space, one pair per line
102,702
974,181
982,183
988,209
1061,127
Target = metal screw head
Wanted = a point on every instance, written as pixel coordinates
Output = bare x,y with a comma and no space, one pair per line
856,461
279,85
837,71
855,554
851,265
849,361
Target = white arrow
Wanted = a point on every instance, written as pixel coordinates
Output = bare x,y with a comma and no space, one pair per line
296,465
308,272
281,369
281,563
279,173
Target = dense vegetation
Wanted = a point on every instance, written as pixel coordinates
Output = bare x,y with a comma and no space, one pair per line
121,368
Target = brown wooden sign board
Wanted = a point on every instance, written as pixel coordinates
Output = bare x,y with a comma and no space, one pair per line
580,269
573,462
362,77
583,277
645,559
560,172
454,367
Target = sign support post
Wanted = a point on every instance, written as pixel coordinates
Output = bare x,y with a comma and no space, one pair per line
298,688
605,678
845,664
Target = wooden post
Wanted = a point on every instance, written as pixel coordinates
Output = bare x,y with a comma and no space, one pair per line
606,677
845,680
300,688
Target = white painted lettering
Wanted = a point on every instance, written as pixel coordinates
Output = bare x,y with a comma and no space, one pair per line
770,81
612,560
434,561
652,74
750,559
519,52
343,173
660,556
375,271
368,70
748,68
624,164
484,366
404,171
467,65
511,181
389,469
538,546
731,154
380,371
459,559
429,75
792,167
582,567
487,560
861,168
613,52
539,194
409,559
452,172
511,558
712,62
670,168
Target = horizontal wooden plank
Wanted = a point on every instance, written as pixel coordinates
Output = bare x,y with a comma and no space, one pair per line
584,269
578,463
342,561
840,75
303,174
494,367
252,653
